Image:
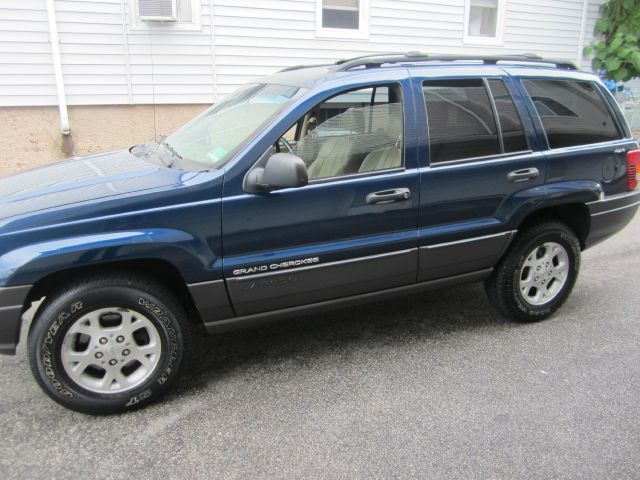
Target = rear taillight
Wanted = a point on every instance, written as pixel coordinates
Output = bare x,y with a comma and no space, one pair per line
633,168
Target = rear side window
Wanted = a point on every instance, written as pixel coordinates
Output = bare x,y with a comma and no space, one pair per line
513,135
462,122
572,112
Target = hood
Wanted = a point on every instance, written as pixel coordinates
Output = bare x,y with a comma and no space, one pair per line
81,179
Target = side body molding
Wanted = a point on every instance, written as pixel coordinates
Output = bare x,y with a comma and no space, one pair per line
462,256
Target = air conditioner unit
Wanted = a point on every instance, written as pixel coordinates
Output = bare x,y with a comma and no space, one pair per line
157,10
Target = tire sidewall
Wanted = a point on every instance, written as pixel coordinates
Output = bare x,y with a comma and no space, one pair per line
55,320
570,244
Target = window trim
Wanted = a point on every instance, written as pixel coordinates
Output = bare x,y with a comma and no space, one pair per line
502,154
477,40
402,167
496,117
616,121
515,106
484,158
135,25
356,175
344,33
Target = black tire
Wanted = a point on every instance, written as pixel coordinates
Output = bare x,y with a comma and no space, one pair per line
136,297
503,288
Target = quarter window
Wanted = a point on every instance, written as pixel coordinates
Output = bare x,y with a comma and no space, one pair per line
513,136
572,112
360,131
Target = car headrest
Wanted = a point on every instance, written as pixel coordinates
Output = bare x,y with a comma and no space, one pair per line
352,120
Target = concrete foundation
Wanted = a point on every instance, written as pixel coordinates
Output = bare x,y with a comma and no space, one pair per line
30,136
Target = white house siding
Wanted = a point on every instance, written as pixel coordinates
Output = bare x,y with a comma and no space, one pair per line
255,37
106,61
26,67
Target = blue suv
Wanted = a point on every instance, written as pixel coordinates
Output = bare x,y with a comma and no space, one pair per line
318,187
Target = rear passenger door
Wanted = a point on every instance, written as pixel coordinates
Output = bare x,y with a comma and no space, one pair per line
478,164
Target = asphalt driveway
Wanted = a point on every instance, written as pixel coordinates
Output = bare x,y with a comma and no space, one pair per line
429,386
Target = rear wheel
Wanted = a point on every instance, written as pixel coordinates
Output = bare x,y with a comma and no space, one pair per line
108,344
537,274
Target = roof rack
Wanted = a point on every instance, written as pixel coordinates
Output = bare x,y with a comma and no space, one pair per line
379,59
299,67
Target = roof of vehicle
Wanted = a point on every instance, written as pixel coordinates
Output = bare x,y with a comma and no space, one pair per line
311,75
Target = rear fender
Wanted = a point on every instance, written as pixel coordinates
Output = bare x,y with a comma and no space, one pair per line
515,210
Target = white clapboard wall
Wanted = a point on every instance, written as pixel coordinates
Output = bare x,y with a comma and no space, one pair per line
109,57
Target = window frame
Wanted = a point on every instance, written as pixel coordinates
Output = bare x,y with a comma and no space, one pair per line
487,88
136,25
362,32
357,175
599,90
497,114
479,40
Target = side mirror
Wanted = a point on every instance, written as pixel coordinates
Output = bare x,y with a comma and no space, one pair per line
282,170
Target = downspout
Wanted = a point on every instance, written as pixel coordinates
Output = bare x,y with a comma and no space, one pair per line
583,27
127,59
65,129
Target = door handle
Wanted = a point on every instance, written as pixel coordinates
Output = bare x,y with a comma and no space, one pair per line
523,175
388,196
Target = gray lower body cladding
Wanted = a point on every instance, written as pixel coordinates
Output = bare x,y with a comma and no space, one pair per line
11,309
610,215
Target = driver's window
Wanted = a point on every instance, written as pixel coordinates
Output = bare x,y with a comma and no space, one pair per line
359,131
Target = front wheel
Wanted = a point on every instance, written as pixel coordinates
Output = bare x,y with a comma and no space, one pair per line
537,273
108,344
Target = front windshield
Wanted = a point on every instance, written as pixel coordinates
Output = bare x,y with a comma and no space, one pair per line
212,137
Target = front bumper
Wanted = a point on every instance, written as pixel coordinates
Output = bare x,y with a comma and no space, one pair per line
11,306
610,215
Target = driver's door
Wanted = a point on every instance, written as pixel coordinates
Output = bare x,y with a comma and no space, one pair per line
342,234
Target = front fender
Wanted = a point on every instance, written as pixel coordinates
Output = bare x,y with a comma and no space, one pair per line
28,264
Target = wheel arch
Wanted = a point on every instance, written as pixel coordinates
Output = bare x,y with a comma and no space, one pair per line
159,270
575,215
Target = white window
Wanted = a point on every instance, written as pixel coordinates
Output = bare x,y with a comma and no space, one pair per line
173,14
483,22
342,18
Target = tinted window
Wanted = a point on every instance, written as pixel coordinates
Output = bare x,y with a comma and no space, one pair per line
359,131
461,122
572,113
513,135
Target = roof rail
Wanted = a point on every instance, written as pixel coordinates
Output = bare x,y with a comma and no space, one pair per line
299,67
377,60
377,55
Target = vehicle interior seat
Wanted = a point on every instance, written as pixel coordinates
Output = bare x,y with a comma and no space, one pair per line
389,156
336,150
